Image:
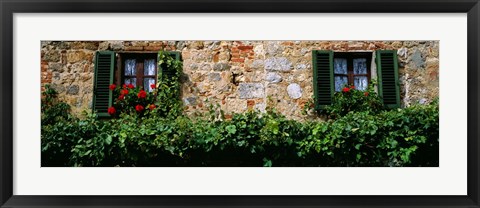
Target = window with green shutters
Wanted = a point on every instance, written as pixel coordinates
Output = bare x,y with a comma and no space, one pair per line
332,71
138,69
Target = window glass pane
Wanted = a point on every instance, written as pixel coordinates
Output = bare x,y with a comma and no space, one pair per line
340,65
360,66
130,67
360,82
132,81
340,82
147,82
149,67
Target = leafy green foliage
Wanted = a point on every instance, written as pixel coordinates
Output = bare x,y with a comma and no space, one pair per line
168,97
402,137
53,110
55,117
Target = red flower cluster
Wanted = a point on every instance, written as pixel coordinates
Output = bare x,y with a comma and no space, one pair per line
140,105
139,108
111,110
142,94
152,106
124,92
366,94
346,89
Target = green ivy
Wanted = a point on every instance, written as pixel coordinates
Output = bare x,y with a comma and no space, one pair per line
168,97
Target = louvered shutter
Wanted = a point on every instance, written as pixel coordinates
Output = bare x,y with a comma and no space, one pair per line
102,95
323,83
388,84
168,73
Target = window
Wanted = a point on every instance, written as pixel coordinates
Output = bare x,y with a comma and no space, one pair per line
138,69
351,69
333,70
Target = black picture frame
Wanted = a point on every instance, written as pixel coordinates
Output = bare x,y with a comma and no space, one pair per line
10,7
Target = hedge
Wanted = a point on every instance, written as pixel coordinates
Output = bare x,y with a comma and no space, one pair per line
399,137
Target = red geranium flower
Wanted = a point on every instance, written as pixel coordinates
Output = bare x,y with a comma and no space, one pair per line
366,93
124,92
152,106
111,110
112,86
153,86
121,97
346,89
124,86
142,94
139,108
130,86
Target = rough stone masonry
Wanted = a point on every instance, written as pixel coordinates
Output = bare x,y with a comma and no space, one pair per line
238,75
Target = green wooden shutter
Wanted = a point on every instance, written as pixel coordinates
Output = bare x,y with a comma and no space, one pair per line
388,83
323,83
104,70
165,72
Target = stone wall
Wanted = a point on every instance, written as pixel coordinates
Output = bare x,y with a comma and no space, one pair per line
239,75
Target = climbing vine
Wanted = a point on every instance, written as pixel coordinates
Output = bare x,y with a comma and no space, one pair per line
169,85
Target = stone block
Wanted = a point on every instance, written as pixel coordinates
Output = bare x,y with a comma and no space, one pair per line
116,45
190,101
91,46
274,48
251,90
294,91
75,56
221,66
73,90
134,48
273,77
278,64
56,67
51,56
214,77
195,45
417,61
257,64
